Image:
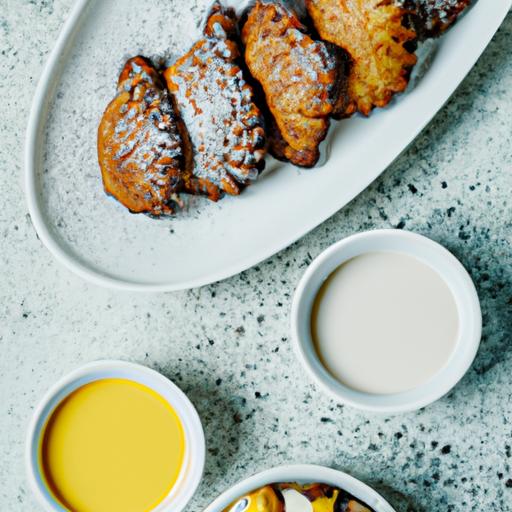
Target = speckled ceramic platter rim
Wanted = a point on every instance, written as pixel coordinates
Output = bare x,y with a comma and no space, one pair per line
486,17
302,473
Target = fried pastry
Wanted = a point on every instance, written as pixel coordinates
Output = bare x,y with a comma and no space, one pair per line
378,43
226,138
431,18
324,498
139,144
299,79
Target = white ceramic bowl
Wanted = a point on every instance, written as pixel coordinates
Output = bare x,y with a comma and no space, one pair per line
427,251
193,465
303,473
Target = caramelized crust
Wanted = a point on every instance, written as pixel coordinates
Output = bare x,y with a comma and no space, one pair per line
299,79
226,139
373,34
431,18
139,146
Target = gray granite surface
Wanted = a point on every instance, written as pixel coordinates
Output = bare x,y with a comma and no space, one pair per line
227,345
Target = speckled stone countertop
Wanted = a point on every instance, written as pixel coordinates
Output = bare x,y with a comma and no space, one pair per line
227,345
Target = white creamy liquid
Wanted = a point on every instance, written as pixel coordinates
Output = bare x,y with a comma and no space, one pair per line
384,323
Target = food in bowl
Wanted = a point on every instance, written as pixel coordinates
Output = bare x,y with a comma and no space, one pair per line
294,497
384,322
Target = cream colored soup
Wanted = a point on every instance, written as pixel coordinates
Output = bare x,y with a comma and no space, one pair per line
384,323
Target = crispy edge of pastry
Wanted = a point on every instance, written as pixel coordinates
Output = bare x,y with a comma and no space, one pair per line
263,499
327,498
340,98
432,18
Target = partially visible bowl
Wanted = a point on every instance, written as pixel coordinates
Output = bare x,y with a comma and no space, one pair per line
302,474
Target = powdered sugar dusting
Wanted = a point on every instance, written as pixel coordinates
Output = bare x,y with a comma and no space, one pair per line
306,64
308,61
216,104
154,140
139,144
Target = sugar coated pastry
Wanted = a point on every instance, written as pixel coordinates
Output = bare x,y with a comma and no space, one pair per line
225,134
431,18
298,76
139,143
273,86
379,44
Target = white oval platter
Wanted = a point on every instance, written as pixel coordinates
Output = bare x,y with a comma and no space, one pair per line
101,241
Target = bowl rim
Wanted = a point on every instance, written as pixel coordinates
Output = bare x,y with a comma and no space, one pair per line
429,252
195,449
302,473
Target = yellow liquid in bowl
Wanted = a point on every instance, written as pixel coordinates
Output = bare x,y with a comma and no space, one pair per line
112,445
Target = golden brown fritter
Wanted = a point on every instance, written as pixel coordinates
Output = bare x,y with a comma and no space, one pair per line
139,145
299,78
430,18
226,138
373,34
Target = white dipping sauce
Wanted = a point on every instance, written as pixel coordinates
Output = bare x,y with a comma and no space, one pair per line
384,322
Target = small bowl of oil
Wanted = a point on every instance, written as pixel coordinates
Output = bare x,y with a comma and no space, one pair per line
115,436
